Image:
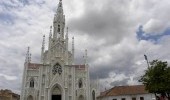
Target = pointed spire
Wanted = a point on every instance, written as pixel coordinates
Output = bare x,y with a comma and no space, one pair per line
43,42
66,33
86,52
59,22
66,38
27,55
60,1
42,49
85,58
30,57
28,50
72,44
60,6
73,49
50,35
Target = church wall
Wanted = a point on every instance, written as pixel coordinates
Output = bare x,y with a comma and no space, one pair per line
74,83
81,75
33,73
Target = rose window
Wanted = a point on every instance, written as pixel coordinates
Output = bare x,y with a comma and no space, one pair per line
57,69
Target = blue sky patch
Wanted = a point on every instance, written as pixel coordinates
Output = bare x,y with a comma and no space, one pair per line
6,18
141,35
29,2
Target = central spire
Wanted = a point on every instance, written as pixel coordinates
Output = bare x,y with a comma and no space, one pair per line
60,7
59,22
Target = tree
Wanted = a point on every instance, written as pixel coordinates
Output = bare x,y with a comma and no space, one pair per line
157,79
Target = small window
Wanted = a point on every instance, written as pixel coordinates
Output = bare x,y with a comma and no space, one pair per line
32,83
123,99
133,98
58,28
80,83
141,98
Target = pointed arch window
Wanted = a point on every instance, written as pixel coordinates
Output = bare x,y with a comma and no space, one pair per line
32,83
80,83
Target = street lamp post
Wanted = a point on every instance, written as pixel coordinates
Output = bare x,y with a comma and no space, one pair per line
146,60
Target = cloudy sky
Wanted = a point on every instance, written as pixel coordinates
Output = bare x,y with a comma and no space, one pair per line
117,33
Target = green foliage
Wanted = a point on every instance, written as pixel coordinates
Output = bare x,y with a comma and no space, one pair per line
157,78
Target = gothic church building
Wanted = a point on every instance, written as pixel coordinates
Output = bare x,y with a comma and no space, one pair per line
56,77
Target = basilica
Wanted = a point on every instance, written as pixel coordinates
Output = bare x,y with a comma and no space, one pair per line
56,76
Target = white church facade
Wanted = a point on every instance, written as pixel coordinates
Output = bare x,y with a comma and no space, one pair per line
56,77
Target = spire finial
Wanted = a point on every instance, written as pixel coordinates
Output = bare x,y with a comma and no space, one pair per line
30,57
28,50
67,29
43,42
42,49
86,52
27,55
67,33
85,58
73,49
73,42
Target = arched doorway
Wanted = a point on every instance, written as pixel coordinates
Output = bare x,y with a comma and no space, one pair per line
56,93
30,98
81,97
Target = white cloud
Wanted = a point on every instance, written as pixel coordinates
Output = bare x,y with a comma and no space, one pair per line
7,77
153,14
155,27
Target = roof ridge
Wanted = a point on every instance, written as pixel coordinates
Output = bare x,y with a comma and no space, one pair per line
124,90
129,85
